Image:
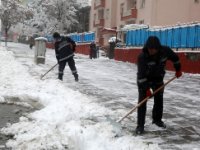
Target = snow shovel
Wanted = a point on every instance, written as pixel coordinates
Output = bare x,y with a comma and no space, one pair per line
146,99
48,71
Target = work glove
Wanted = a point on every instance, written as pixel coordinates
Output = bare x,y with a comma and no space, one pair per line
148,92
178,74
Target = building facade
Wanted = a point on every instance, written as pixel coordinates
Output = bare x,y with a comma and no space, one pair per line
109,16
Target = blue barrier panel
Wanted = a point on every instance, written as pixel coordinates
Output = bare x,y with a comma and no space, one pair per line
142,36
146,35
49,38
79,38
151,33
197,41
137,37
93,37
84,37
157,33
127,34
73,37
176,40
163,37
90,37
183,38
169,37
128,38
76,37
191,37
133,38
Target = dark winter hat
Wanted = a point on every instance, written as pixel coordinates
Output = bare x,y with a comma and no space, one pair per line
56,35
152,43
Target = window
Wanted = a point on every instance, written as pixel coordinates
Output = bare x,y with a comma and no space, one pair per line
107,14
142,3
122,9
131,4
101,14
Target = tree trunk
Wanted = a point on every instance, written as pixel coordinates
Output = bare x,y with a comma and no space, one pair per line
6,37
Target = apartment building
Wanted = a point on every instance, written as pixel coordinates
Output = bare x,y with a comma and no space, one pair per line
109,16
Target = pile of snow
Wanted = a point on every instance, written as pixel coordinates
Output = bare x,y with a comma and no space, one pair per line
113,39
134,27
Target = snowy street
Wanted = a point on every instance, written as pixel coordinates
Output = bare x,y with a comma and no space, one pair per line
77,115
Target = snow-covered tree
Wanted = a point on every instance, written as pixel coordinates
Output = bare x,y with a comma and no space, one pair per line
13,12
61,14
65,16
38,24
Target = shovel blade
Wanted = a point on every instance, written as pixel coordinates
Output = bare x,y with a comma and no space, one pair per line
116,126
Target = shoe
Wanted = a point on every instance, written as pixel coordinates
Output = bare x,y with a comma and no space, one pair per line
60,78
76,77
160,124
139,130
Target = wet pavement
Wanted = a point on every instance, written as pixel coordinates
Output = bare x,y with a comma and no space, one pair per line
181,99
9,114
181,107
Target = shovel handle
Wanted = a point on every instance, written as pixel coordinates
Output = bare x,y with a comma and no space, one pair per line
146,99
48,71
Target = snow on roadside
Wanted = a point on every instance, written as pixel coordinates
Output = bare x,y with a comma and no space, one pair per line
67,120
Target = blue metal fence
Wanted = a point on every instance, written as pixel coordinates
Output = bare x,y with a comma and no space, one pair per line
197,40
83,37
183,37
176,37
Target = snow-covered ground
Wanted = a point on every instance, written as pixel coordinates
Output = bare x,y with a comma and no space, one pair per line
77,115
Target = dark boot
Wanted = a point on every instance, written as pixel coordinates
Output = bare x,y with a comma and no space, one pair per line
159,123
139,130
60,77
76,77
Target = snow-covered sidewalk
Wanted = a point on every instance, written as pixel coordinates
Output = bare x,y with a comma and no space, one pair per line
72,115
64,121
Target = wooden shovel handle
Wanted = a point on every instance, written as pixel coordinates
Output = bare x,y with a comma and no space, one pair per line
146,99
